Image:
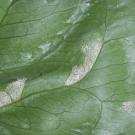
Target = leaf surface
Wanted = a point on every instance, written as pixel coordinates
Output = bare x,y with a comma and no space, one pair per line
67,67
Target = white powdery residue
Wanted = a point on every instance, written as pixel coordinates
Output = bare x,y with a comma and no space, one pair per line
45,47
12,92
84,6
15,89
91,52
78,15
73,19
4,98
128,106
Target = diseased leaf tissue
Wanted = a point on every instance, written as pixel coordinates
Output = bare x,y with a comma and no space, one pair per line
67,67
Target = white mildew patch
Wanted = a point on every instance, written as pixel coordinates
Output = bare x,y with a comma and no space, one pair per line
4,98
128,106
12,92
15,89
91,52
77,16
45,47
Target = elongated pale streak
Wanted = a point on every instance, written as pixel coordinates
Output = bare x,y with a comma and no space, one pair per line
91,52
12,92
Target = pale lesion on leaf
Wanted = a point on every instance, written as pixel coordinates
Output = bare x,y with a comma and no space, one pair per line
12,92
128,106
91,52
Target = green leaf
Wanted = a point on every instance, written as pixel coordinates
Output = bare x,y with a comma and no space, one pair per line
67,67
